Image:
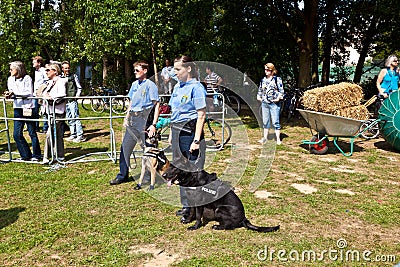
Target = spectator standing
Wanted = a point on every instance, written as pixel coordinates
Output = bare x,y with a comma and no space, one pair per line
54,106
188,105
74,89
166,75
144,98
20,87
40,78
388,78
213,81
270,94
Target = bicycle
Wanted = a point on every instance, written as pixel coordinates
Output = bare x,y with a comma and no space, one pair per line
217,133
292,100
230,99
98,105
370,129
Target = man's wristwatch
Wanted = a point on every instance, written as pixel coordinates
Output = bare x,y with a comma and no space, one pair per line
196,142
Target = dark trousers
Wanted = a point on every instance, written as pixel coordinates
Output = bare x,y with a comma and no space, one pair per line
181,141
22,144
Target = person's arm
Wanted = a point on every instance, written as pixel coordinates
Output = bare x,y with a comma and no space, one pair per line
152,127
126,119
259,93
78,86
201,118
379,80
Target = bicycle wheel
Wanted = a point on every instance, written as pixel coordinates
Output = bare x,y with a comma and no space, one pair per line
233,102
85,103
119,105
371,132
216,133
97,105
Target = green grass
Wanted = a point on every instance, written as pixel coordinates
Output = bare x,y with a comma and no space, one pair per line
73,217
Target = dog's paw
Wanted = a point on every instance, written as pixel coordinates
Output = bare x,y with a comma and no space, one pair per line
217,227
137,187
151,187
185,220
194,227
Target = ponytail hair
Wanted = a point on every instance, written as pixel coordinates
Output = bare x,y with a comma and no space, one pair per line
188,62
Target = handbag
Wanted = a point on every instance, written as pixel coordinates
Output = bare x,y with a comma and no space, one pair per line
39,92
27,112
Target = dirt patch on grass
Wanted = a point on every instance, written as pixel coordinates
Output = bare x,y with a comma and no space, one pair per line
157,257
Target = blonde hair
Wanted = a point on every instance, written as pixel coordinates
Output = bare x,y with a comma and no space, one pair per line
55,67
271,67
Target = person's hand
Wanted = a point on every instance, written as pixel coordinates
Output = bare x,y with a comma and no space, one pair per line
151,131
125,123
170,139
194,147
8,94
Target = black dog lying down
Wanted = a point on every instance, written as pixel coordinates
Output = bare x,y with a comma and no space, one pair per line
209,195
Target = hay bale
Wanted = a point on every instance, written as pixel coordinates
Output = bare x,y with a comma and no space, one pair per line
359,112
333,97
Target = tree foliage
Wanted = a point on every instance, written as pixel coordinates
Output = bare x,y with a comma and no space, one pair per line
297,36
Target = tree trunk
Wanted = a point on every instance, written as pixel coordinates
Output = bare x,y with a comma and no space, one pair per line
330,20
372,31
105,61
306,42
128,74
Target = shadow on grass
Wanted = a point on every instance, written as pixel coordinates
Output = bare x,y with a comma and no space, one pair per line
9,216
345,146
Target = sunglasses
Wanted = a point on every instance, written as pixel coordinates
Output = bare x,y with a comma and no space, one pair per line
49,70
137,70
395,60
268,69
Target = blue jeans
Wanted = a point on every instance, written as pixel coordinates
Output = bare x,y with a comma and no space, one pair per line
134,132
181,142
75,125
22,144
270,115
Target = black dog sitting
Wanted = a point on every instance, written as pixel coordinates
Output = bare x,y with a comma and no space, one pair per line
208,195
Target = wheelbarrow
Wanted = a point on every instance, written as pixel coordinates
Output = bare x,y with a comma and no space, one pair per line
328,125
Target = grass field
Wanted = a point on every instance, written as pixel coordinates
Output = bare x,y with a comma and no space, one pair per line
331,209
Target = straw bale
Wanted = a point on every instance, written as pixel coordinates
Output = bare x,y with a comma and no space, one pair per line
359,112
333,97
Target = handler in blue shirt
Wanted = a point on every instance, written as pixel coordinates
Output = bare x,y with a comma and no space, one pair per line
188,106
143,97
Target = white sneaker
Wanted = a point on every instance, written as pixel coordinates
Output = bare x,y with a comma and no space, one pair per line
79,139
262,140
45,161
71,138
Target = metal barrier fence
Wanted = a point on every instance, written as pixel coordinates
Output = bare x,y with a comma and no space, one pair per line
109,155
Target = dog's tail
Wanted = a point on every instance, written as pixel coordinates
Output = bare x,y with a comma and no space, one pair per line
261,229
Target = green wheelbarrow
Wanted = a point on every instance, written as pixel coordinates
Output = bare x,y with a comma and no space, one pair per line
328,125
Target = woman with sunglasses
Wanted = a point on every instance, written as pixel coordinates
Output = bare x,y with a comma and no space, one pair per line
188,105
270,93
54,106
20,86
388,78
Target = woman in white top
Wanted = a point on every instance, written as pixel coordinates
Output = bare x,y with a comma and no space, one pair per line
20,87
54,105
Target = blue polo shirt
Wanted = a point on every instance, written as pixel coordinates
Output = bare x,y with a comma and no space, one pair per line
186,99
142,94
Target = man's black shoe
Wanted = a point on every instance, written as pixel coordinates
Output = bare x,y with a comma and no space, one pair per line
183,212
118,181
